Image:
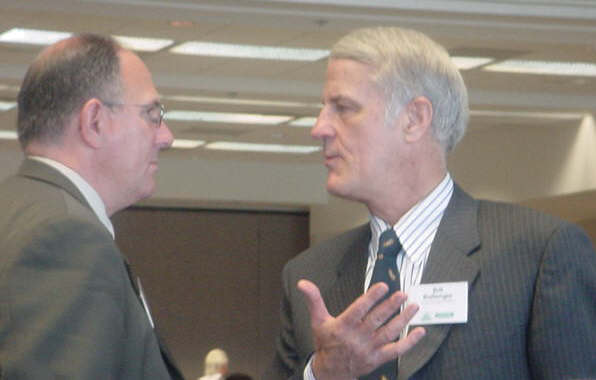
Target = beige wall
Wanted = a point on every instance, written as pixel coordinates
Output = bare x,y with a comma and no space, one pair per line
551,167
213,278
500,160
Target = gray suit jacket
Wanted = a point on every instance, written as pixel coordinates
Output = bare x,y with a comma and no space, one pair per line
531,305
67,307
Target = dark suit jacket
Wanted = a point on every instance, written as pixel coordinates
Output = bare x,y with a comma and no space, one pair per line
67,307
532,296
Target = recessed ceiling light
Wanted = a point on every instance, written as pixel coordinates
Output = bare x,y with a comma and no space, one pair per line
226,117
142,43
214,49
544,67
186,144
8,135
7,87
5,106
264,148
181,23
247,102
33,36
468,63
307,122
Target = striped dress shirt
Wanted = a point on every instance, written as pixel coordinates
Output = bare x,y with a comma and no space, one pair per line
416,231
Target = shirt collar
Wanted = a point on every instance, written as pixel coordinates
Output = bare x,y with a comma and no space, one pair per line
422,218
84,187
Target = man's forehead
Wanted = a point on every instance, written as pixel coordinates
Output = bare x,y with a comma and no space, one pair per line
136,78
348,65
347,71
347,78
131,63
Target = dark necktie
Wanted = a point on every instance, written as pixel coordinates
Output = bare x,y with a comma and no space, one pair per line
385,270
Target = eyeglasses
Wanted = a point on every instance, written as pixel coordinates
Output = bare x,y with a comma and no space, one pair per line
155,111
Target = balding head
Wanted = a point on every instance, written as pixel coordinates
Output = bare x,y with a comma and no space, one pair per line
60,80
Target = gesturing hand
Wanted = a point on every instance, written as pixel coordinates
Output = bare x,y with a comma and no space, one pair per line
362,337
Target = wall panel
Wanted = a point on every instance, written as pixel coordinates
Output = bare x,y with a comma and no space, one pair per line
213,278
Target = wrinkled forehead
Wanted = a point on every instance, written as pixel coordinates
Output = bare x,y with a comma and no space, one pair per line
348,75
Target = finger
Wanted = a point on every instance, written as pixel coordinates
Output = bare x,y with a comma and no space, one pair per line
401,346
392,329
394,349
356,312
314,302
380,313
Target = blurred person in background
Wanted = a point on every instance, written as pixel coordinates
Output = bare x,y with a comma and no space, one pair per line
216,365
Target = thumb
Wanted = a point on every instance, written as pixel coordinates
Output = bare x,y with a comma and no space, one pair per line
314,301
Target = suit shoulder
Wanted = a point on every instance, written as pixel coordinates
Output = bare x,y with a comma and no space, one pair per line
519,222
508,213
28,202
37,215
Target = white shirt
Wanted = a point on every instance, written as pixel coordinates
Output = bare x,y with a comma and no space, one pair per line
84,187
416,231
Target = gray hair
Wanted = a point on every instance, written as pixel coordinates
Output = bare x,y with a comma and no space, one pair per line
59,82
408,64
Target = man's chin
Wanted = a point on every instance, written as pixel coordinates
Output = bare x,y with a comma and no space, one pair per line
335,187
147,191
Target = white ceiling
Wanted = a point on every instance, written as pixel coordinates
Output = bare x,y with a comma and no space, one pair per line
527,29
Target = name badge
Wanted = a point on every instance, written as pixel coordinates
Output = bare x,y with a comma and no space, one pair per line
440,303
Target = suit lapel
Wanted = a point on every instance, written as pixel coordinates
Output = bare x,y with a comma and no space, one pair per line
456,239
165,352
169,361
349,281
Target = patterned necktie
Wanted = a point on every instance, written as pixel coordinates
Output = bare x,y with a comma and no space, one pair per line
385,270
386,265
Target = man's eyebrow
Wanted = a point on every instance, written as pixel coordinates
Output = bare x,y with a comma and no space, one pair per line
343,99
338,98
153,104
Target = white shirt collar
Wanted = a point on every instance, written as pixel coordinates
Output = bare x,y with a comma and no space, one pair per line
91,196
415,218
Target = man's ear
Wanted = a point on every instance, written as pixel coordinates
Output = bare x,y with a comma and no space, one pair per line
419,113
93,122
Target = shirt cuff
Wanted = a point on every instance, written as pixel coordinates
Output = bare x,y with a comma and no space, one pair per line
308,375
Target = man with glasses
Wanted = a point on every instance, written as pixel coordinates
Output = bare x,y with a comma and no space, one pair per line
91,127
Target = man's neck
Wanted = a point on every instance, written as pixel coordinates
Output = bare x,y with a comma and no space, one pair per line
392,205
